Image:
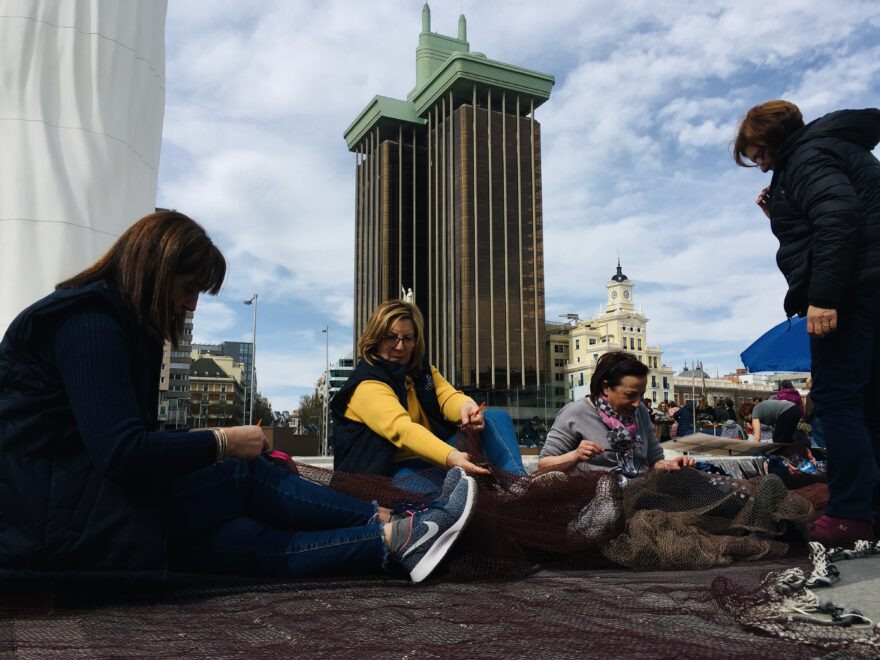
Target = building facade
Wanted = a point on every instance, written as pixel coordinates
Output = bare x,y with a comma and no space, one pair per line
622,327
448,204
557,347
241,352
339,373
217,394
174,385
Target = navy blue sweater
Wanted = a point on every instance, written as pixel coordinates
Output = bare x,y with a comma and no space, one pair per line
83,470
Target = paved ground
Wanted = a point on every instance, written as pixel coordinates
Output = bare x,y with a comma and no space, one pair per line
859,586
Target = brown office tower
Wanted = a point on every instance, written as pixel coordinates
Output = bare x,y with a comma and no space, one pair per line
448,204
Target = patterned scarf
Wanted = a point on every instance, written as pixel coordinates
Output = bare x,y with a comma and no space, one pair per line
623,436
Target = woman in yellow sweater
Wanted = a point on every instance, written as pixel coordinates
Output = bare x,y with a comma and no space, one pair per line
396,415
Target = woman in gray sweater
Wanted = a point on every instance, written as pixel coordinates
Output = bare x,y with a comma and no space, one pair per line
610,429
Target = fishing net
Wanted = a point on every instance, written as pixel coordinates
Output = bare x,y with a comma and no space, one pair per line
577,517
564,563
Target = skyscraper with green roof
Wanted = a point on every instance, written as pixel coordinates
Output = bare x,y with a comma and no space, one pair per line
448,204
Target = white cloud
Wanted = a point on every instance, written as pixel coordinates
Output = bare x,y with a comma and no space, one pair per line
211,322
635,149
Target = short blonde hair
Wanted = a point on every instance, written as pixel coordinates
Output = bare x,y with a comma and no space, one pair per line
379,325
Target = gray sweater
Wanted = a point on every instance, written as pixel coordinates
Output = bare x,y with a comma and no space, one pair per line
579,420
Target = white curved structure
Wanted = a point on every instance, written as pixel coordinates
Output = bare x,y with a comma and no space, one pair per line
82,99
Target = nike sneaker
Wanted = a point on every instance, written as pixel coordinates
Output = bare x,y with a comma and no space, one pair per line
432,532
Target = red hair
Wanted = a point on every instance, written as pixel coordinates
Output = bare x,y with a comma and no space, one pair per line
766,126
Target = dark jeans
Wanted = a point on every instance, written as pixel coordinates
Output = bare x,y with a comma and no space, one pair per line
256,518
846,382
786,425
498,439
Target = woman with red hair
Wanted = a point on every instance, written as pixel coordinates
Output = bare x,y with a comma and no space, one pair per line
824,207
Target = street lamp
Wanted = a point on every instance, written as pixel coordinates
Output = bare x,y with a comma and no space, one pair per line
325,445
253,301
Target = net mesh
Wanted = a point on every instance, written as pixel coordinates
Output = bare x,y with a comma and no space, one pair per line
584,518
575,533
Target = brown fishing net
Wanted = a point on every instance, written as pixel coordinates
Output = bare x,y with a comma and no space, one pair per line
571,532
574,516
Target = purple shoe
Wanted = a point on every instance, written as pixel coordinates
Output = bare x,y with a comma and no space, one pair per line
841,532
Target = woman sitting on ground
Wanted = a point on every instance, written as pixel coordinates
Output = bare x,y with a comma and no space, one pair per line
397,416
88,485
610,429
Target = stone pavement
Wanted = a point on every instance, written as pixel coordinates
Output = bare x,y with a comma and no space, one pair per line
859,586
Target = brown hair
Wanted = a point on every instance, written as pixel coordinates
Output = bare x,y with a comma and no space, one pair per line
379,325
766,126
612,368
144,262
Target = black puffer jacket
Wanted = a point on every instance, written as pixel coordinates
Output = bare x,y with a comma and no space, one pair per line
825,208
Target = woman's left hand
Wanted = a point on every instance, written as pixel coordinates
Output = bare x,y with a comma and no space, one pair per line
472,416
674,464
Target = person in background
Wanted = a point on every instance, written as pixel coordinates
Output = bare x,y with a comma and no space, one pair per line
787,392
823,203
729,408
663,422
774,420
89,485
649,404
705,413
684,417
531,432
610,429
397,416
673,408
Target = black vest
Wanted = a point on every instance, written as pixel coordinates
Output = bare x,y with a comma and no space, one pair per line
57,512
357,449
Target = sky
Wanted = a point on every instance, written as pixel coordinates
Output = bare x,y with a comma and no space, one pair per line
636,153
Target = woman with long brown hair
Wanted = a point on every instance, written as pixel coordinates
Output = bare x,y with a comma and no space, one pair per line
89,485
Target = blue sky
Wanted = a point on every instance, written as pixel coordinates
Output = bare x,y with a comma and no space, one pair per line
636,152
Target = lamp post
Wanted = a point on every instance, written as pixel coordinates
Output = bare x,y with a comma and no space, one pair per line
253,301
325,445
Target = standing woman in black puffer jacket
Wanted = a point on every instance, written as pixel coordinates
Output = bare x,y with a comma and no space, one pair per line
824,207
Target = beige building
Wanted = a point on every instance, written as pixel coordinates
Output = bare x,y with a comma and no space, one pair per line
174,387
622,327
216,391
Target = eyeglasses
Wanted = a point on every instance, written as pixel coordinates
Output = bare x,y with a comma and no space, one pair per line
757,156
392,340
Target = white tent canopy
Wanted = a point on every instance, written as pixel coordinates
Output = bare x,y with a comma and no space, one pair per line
82,99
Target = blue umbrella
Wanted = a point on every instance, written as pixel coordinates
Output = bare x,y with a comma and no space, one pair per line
785,347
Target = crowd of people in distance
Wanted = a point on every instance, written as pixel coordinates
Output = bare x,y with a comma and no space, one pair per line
90,485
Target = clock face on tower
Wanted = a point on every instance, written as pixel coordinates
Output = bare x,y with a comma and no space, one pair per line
614,295
626,294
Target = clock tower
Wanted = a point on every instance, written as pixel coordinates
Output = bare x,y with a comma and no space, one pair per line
620,295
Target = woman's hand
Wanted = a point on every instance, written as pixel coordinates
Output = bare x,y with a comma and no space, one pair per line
472,416
821,321
245,442
460,459
585,451
763,200
674,464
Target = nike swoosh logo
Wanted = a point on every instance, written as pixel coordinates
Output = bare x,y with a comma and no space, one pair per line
433,528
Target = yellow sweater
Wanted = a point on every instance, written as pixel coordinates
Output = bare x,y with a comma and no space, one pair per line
376,405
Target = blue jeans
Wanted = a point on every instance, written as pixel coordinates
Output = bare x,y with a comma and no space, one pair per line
846,378
500,447
256,518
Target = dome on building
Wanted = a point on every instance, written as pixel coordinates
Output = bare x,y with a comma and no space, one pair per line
619,276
